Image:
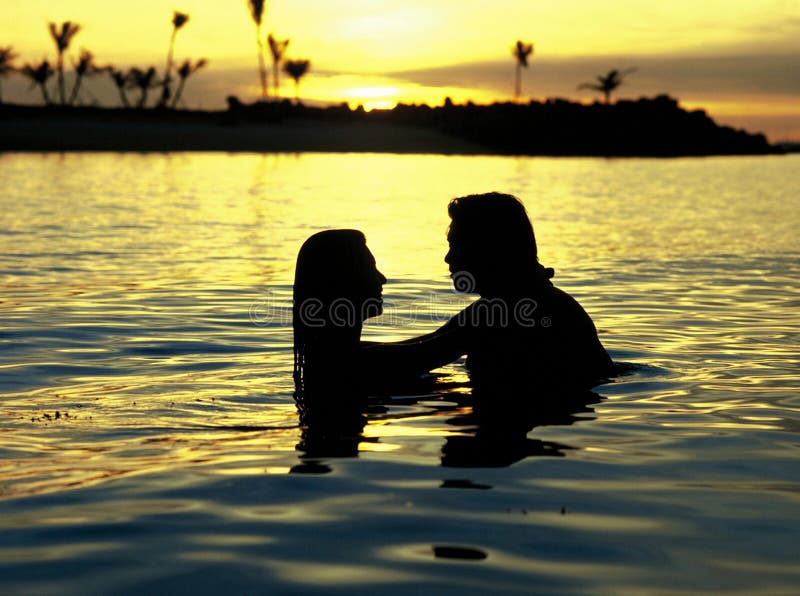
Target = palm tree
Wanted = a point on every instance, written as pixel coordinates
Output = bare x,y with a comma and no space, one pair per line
257,13
7,57
186,70
144,80
521,51
84,67
121,81
277,47
62,38
39,75
296,69
179,19
608,83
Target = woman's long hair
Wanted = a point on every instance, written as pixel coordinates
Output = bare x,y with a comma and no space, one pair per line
328,283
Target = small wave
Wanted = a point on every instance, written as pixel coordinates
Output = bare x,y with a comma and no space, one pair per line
627,369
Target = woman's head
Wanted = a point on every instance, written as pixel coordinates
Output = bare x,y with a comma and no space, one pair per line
336,287
336,268
491,238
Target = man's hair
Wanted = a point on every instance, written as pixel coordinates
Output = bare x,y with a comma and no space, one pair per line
496,224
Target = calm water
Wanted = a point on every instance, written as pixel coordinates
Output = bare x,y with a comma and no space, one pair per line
149,433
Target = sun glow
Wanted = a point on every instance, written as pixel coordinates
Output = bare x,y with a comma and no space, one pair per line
372,98
379,104
371,92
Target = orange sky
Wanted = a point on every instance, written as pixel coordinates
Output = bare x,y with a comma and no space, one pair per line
738,59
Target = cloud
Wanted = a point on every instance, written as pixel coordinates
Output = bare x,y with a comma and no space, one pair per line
697,76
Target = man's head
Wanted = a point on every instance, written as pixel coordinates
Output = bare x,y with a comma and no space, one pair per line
491,239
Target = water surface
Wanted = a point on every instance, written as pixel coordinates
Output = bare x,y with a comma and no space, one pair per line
149,435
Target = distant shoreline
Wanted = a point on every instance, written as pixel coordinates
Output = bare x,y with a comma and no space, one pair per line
647,128
79,134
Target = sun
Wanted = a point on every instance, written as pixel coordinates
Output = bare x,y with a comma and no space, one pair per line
373,98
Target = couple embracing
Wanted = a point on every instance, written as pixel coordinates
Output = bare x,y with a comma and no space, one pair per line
521,332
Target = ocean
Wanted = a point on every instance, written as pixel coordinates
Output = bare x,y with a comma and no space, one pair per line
148,432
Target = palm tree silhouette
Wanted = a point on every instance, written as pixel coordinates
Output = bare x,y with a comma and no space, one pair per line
144,80
121,81
277,47
62,38
186,70
296,69
84,67
39,75
7,57
257,13
521,51
179,19
608,83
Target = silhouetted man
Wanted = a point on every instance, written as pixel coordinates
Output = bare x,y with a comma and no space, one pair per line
523,328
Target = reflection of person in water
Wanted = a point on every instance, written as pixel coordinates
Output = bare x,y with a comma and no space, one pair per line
522,327
495,431
337,286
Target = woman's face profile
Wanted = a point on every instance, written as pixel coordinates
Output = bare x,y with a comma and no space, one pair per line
372,282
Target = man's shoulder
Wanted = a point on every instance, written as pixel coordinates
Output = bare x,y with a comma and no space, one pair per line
562,304
561,298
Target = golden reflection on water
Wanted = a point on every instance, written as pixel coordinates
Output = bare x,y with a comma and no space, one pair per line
233,218
131,280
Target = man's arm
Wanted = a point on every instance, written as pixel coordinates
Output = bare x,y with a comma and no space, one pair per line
416,356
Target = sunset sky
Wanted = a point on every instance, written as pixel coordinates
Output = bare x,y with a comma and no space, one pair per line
739,59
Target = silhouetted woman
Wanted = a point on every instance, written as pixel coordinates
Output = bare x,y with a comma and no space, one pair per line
337,286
